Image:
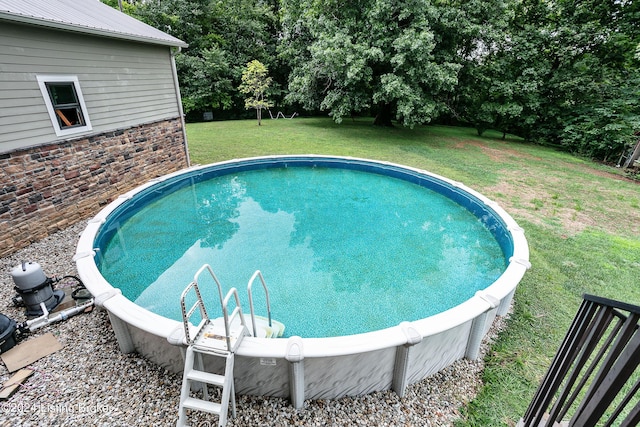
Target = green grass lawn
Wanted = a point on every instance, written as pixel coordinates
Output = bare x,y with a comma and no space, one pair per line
582,222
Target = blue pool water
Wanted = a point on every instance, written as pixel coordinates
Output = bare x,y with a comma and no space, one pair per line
343,251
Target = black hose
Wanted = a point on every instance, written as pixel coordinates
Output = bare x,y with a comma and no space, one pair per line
80,291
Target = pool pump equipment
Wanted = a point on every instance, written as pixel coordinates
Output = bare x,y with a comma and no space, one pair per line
35,288
36,293
7,333
48,318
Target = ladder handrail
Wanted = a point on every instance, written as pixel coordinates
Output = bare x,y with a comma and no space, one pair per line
237,312
213,276
266,291
186,315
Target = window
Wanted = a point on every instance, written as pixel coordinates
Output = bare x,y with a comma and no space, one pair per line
64,101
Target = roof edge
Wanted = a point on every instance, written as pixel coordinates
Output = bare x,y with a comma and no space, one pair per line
89,30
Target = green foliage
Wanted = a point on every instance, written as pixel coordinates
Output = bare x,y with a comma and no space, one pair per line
562,73
255,82
127,6
206,83
368,55
223,36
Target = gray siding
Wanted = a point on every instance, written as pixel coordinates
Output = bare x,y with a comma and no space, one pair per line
124,83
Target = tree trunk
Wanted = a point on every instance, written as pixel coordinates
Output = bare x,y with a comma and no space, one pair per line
383,118
259,116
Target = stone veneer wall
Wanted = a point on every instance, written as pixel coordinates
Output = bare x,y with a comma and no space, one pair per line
47,188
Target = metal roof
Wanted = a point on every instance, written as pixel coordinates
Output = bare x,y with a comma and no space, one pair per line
84,16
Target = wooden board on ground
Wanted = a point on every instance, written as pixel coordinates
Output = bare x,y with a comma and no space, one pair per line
12,384
30,351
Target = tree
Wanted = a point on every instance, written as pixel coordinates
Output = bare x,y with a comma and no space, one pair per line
205,80
222,36
255,82
563,73
380,55
492,90
590,93
127,7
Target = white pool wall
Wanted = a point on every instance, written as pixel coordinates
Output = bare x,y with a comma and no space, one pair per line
317,368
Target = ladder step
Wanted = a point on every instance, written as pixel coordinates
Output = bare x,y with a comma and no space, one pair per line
209,350
276,330
206,377
202,405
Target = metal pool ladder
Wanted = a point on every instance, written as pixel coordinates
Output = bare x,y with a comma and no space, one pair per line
219,338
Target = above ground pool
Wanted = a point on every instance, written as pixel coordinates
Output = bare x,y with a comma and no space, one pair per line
365,261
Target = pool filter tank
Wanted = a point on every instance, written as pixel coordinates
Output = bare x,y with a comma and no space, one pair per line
34,288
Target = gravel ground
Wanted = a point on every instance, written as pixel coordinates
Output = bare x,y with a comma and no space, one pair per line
89,382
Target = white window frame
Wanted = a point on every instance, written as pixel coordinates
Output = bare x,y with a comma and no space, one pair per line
42,81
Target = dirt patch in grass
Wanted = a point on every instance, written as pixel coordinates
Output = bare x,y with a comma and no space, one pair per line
560,198
531,204
552,192
528,193
496,154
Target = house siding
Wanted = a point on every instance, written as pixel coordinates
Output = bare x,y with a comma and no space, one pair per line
47,188
124,83
49,182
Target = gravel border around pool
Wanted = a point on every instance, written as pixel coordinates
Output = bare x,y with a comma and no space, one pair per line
89,382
